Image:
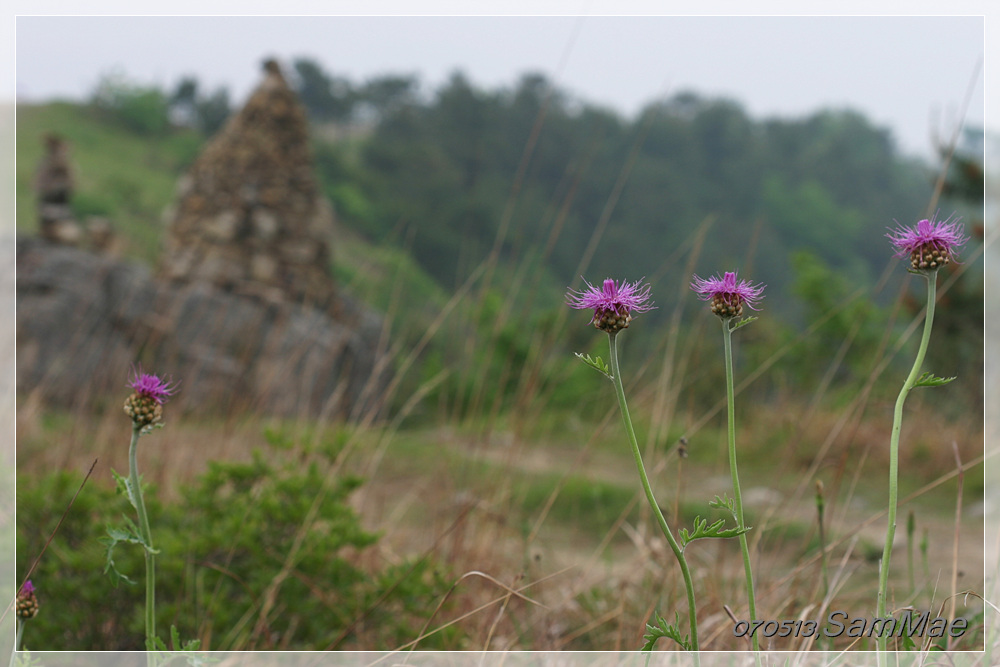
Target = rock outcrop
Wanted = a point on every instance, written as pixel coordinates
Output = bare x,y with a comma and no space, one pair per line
249,217
84,318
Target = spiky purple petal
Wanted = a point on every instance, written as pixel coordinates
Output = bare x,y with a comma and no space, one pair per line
943,235
147,384
613,304
621,297
729,289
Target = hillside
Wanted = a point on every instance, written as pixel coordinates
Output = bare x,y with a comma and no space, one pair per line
131,178
513,194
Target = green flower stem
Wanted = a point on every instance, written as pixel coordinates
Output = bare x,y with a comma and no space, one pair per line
897,422
737,496
678,553
17,642
147,537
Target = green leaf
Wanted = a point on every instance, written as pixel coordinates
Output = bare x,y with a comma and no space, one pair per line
149,428
664,629
156,644
931,380
116,535
191,645
597,364
109,568
127,534
724,503
742,323
123,485
182,652
702,530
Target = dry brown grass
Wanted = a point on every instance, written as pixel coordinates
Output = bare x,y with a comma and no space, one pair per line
532,582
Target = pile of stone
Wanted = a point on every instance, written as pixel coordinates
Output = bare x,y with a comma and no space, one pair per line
54,183
54,188
249,217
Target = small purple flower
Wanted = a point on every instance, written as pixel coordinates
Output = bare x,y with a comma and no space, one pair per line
930,245
727,294
613,304
151,386
26,604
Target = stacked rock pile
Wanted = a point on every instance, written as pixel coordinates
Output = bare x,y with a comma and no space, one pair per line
54,187
54,184
249,217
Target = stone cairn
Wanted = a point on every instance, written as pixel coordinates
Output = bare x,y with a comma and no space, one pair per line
54,187
249,217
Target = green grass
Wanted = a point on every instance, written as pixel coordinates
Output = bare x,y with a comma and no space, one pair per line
386,278
127,177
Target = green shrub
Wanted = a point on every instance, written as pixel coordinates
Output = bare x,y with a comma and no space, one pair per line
236,569
142,109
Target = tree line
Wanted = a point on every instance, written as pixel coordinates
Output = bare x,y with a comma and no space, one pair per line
535,177
530,169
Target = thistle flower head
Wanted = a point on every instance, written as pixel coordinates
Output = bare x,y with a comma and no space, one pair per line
145,406
26,604
728,294
930,244
151,386
613,303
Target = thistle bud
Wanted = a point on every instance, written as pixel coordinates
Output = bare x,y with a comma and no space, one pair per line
27,603
145,406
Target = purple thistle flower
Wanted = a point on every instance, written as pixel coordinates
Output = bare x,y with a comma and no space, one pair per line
727,294
151,386
930,245
613,304
26,604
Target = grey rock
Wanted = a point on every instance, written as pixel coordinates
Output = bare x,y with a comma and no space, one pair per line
222,227
83,319
265,224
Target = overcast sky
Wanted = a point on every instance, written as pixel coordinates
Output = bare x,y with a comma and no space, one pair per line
909,74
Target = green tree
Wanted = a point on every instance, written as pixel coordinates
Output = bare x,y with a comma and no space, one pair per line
189,107
213,111
325,97
142,109
384,96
